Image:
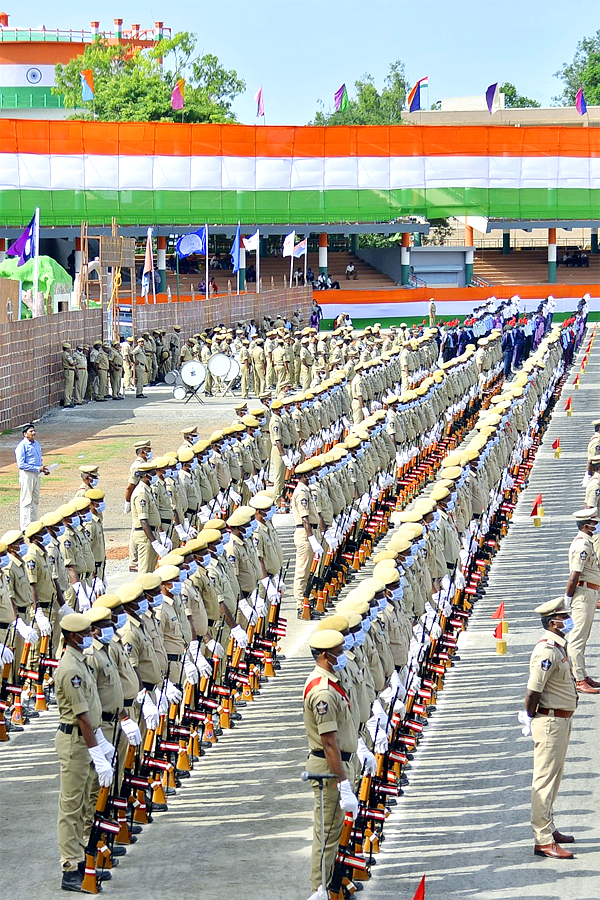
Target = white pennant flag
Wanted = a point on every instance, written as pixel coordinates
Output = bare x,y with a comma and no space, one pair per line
288,244
251,243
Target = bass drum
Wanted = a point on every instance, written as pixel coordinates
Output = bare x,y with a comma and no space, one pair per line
234,369
171,378
193,373
179,392
218,365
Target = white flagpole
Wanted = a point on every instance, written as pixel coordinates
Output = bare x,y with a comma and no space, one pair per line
258,263
36,260
206,265
305,257
291,267
239,231
151,232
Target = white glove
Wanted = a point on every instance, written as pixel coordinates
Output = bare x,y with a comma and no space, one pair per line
216,649
43,622
6,656
203,666
149,710
162,702
98,587
65,609
240,636
315,545
366,757
165,541
159,548
29,634
126,507
248,612
525,720
348,799
261,607
131,731
173,693
586,478
106,746
181,532
103,768
382,743
191,672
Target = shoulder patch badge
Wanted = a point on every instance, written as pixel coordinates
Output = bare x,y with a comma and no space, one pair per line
322,707
583,554
546,663
31,563
128,648
67,544
76,681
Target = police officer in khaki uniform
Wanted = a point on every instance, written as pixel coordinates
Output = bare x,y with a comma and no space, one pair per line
550,702
145,519
332,743
79,745
266,539
141,367
277,466
69,365
306,522
582,593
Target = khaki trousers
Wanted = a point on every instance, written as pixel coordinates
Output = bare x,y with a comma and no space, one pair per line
244,384
277,474
259,381
140,379
304,558
102,384
333,818
583,607
76,778
30,497
146,556
115,382
550,742
69,384
81,385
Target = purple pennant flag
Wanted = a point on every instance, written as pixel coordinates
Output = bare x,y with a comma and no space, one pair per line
341,99
24,246
490,96
580,104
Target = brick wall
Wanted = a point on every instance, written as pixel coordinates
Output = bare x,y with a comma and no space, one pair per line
196,315
31,379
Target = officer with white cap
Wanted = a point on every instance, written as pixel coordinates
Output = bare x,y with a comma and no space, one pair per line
550,702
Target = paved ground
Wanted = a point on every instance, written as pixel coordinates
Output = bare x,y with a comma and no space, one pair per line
240,827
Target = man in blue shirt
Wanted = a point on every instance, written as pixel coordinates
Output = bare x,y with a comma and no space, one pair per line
29,462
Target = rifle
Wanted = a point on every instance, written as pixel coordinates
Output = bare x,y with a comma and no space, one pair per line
100,828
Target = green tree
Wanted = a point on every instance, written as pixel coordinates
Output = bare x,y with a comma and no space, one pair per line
371,106
514,100
583,71
137,87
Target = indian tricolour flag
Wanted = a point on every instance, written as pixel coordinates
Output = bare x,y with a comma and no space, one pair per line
145,173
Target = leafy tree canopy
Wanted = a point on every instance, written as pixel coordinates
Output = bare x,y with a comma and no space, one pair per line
514,100
137,87
371,106
583,71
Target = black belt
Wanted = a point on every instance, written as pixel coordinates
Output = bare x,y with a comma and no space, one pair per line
22,609
68,729
191,512
166,521
312,525
44,606
346,757
109,717
211,622
127,703
138,529
147,685
172,657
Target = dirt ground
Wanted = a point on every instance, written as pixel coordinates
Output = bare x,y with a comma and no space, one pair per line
104,433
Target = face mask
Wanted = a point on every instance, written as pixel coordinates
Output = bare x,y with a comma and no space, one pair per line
360,453
46,540
205,559
121,620
193,566
211,454
194,440
60,531
157,601
153,479
359,637
75,522
312,479
596,529
106,635
270,513
194,465
382,604
348,641
142,607
149,455
86,642
87,518
340,663
22,549
366,624
101,506
220,548
183,575
567,625
176,589
178,467
94,482
4,559
397,593
373,612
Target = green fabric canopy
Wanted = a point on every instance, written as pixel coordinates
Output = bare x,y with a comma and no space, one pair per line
51,274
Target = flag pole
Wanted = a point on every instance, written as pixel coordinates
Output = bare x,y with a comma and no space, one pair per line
258,263
305,257
206,264
36,260
152,269
291,266
238,259
177,271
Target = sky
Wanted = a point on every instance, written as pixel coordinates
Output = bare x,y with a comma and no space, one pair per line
301,52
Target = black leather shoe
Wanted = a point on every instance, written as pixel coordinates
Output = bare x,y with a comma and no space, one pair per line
72,881
135,829
118,850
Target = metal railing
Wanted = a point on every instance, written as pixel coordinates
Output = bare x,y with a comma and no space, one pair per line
476,281
414,281
57,35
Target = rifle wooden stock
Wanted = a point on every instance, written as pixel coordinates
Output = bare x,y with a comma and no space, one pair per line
340,867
